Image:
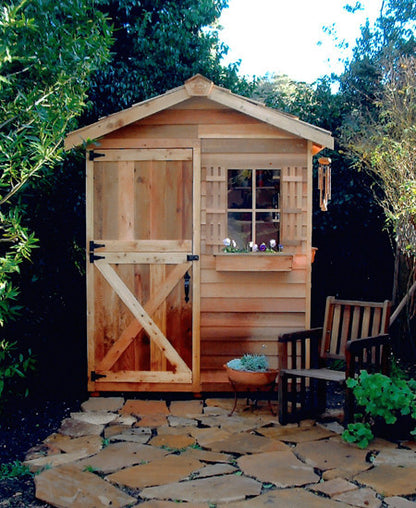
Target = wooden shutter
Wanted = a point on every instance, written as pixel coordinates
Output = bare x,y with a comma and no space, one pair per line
293,207
214,208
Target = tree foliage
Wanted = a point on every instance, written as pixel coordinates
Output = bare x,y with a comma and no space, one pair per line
159,44
387,145
378,135
47,53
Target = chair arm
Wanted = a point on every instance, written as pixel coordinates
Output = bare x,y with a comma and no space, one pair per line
313,333
297,352
355,349
357,345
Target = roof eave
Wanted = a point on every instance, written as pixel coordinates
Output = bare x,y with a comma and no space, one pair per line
200,86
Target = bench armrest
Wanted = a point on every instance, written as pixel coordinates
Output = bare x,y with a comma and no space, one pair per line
370,353
301,335
297,353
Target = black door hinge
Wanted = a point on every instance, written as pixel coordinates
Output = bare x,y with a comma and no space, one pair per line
95,376
192,257
93,246
94,155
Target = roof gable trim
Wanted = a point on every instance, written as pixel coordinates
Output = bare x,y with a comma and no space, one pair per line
199,86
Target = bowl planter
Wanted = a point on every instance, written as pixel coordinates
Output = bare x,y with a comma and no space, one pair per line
263,378
251,378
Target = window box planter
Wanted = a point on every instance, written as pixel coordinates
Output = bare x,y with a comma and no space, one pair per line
253,262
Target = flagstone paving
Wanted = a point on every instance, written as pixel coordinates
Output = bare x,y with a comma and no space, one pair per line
156,454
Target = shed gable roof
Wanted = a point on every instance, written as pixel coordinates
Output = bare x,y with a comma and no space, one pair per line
199,86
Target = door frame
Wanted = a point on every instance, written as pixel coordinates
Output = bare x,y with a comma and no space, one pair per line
98,384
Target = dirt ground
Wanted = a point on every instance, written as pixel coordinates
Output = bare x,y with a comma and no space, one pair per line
24,424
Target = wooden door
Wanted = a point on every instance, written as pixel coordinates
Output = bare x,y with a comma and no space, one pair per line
142,269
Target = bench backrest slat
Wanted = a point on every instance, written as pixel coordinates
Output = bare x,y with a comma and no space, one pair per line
348,320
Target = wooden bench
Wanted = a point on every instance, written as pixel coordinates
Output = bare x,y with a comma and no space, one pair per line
353,337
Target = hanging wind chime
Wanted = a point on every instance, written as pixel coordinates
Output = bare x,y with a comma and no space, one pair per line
324,182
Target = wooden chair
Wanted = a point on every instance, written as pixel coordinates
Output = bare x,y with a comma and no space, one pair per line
353,337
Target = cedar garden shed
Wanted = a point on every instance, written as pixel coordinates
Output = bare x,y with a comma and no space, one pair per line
167,181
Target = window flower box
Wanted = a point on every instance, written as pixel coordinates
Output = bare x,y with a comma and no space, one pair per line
253,262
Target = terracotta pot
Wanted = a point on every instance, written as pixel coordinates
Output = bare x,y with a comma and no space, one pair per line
247,378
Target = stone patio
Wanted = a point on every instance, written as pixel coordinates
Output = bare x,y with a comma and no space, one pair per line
156,454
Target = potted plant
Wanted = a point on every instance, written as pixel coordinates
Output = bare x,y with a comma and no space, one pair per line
388,407
250,370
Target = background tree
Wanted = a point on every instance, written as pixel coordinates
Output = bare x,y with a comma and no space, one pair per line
47,53
159,44
378,135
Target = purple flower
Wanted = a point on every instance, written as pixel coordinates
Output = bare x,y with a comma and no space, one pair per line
262,247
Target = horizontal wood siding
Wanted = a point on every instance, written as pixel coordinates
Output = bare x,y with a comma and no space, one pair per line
243,312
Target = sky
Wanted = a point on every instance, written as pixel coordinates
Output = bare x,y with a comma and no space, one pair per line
287,37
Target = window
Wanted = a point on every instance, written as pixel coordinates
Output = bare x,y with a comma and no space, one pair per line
253,205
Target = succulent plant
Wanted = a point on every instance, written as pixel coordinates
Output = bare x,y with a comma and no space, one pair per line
250,363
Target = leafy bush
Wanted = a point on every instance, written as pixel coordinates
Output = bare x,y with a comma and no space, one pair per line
251,363
381,397
359,433
12,366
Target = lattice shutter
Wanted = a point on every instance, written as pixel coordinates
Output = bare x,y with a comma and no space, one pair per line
293,208
214,208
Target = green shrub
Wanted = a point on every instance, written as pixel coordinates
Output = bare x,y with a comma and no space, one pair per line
12,366
380,397
359,433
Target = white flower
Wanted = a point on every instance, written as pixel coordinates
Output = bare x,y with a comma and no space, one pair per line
250,245
255,247
272,243
234,244
226,242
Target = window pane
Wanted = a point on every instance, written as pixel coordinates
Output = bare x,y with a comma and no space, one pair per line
240,188
267,228
268,188
239,228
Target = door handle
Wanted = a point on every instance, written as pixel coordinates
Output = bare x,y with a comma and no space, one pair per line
186,284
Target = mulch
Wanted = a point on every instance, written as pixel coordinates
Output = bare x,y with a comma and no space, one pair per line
24,424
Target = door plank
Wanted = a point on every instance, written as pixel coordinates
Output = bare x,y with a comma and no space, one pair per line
132,376
145,258
128,335
139,154
157,277
143,245
142,316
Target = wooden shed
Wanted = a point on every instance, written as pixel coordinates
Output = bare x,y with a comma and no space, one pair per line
167,181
